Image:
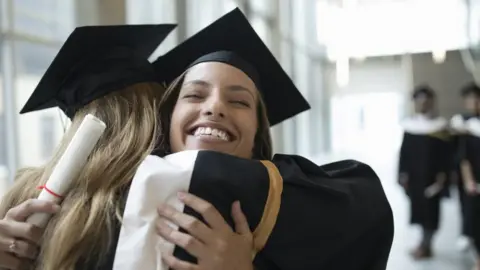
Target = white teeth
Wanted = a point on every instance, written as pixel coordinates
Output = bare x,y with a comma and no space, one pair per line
207,131
199,131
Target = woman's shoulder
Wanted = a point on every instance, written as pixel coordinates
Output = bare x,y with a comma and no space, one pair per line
350,181
339,170
339,204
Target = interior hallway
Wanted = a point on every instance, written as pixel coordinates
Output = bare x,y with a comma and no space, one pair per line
447,256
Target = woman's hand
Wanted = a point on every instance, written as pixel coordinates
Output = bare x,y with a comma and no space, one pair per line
19,240
216,246
435,188
471,187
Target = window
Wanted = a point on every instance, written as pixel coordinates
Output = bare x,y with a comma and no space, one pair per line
473,22
40,29
3,150
33,59
474,31
47,136
264,7
48,19
3,141
261,27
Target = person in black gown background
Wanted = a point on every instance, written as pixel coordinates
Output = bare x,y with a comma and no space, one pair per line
470,94
470,169
423,166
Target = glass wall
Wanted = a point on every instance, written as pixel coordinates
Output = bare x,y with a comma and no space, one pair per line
40,27
50,20
32,32
154,11
3,137
201,13
474,35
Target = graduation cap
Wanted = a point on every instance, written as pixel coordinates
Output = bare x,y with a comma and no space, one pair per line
423,90
95,61
232,40
470,89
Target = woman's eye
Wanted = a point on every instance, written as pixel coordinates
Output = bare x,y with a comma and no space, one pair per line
242,103
192,96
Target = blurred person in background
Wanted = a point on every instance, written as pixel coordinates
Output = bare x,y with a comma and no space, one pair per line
423,166
470,94
470,167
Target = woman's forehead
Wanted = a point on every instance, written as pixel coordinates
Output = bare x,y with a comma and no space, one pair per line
219,74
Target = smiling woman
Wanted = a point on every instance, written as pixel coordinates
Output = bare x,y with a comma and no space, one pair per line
294,214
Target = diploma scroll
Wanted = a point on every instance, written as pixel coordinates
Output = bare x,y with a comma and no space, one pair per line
70,165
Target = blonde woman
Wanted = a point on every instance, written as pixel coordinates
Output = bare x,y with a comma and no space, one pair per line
104,71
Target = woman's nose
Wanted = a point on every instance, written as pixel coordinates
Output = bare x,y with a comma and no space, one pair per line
215,108
215,114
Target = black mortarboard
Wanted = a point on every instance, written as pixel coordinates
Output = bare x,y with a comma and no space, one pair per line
423,90
232,40
470,89
95,61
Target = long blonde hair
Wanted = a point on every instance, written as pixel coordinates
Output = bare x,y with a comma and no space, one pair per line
84,228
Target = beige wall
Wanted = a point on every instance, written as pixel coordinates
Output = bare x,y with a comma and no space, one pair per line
372,75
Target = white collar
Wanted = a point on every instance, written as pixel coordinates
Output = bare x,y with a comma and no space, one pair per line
472,125
458,123
422,125
156,181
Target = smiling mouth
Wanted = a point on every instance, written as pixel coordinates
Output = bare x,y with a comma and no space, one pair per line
212,133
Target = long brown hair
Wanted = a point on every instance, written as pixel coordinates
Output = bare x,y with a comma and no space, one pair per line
263,141
90,211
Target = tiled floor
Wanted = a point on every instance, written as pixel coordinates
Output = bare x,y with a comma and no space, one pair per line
447,256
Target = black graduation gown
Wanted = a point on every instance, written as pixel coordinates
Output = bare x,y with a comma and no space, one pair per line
334,216
471,152
458,127
425,152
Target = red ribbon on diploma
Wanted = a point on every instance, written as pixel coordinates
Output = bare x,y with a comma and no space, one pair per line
50,191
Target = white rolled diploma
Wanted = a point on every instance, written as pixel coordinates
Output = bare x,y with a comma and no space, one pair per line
70,165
